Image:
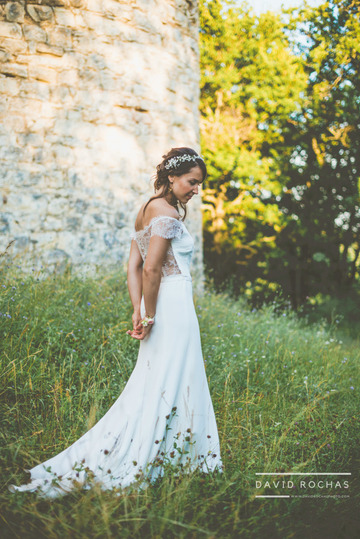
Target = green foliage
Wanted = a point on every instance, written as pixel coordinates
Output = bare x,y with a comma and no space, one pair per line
280,131
246,66
285,396
322,158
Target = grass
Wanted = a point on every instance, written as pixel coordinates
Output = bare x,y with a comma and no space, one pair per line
285,394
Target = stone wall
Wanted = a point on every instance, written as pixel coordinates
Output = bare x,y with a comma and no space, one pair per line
92,93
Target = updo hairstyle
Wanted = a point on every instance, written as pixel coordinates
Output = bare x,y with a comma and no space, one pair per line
161,176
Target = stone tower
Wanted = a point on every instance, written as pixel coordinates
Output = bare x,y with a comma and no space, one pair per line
92,94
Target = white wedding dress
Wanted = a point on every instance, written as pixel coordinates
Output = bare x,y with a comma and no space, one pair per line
164,416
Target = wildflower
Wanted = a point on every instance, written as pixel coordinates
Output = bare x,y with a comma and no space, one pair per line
89,303
351,387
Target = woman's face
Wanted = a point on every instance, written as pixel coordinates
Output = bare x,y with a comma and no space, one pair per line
187,185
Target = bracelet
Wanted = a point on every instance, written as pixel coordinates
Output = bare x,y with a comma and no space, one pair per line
148,321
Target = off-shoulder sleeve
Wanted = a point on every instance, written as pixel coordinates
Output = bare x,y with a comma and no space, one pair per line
167,227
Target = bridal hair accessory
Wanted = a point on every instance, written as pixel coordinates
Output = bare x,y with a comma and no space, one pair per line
148,321
174,162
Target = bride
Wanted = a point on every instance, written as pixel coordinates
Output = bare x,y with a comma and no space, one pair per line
164,418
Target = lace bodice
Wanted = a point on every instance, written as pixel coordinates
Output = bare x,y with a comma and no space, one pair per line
178,256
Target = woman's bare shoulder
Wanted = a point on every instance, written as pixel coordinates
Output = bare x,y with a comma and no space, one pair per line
156,207
159,206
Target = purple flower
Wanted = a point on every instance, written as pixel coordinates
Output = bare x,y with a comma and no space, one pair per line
88,303
351,387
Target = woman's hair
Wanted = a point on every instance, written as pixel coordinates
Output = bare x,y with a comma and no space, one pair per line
174,165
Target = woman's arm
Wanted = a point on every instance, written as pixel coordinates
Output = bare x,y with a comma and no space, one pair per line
151,277
152,272
134,281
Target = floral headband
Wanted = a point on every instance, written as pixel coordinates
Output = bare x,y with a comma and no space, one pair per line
174,162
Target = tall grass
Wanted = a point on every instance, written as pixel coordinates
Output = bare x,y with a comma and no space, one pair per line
285,394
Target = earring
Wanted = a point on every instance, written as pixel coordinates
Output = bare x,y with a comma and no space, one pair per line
170,188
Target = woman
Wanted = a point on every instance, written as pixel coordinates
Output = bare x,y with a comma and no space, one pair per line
164,416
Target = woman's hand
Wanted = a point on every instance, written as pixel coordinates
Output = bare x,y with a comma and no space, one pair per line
136,321
140,335
139,331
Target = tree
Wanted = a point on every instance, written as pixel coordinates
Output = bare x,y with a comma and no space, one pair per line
246,66
279,124
321,156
